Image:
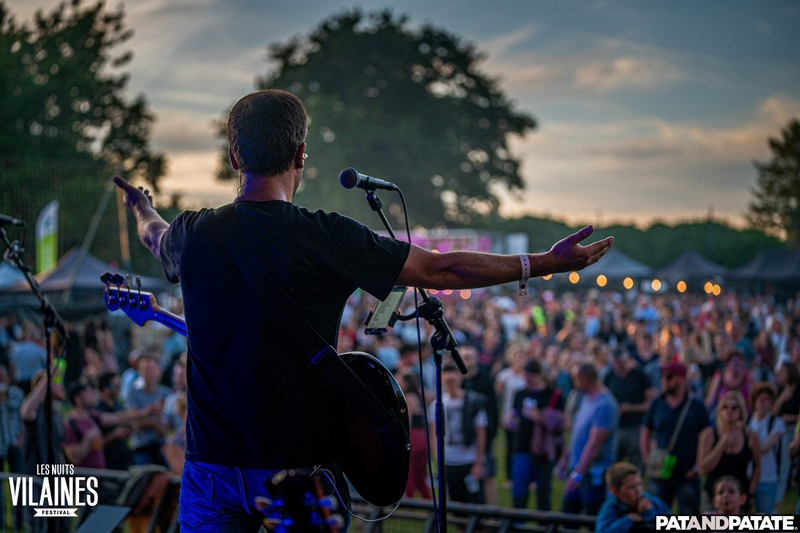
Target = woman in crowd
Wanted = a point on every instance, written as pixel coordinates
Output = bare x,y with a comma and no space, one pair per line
787,405
769,429
729,449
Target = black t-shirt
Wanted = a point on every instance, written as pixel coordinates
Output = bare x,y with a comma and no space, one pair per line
630,389
254,400
662,420
543,398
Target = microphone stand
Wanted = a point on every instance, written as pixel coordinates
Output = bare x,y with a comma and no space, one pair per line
442,339
51,320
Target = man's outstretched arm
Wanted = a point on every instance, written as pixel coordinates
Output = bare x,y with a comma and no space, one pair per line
149,224
467,270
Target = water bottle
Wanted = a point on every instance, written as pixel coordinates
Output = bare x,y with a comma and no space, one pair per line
472,484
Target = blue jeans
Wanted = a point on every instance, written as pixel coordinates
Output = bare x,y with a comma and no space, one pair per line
526,468
590,494
766,494
221,499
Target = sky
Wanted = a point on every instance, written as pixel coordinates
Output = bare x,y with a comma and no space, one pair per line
648,111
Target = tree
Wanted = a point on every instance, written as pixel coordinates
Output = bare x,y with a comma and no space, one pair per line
66,124
408,105
776,197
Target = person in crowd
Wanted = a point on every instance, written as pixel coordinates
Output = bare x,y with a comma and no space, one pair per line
633,391
320,259
466,422
83,439
729,496
175,445
734,376
628,507
115,438
28,355
507,383
43,442
787,406
172,419
730,449
418,479
148,436
478,379
794,453
538,416
11,434
593,444
769,429
659,425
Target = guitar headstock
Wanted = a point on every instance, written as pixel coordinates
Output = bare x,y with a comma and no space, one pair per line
119,295
298,504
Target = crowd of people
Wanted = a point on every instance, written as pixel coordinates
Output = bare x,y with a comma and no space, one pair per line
689,389
101,418
693,395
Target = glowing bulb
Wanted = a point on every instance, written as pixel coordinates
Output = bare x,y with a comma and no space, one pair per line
574,277
655,285
547,277
627,283
465,294
681,286
447,292
602,280
716,290
708,287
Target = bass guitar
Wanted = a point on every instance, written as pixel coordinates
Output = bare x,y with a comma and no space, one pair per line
377,469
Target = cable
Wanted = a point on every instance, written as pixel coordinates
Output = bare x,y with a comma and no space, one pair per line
329,475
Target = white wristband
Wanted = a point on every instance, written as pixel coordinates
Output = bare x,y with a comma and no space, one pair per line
526,274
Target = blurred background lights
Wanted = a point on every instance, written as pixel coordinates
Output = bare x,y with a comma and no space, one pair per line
574,277
655,285
681,286
627,283
602,280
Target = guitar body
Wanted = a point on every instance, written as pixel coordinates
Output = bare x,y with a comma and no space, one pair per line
377,468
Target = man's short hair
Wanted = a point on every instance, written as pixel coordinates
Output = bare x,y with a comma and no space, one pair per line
105,380
265,129
75,388
588,372
763,387
617,473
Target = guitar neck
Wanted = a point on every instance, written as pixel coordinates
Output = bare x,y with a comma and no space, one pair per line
173,322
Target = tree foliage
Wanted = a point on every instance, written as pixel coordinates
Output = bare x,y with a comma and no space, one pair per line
405,104
776,197
66,123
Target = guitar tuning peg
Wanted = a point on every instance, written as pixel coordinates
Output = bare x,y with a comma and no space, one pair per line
117,279
139,284
106,278
128,280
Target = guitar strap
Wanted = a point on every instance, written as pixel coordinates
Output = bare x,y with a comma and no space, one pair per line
322,355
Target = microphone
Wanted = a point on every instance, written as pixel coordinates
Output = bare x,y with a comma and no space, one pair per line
350,178
5,219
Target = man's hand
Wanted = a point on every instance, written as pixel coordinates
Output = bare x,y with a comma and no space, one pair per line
135,198
149,224
644,505
568,254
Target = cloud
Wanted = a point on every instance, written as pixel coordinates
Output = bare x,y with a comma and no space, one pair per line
627,167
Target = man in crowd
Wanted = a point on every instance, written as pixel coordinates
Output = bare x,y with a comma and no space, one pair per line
633,391
466,422
148,436
660,423
247,379
538,411
593,446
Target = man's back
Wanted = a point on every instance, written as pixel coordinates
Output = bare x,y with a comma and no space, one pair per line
254,399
